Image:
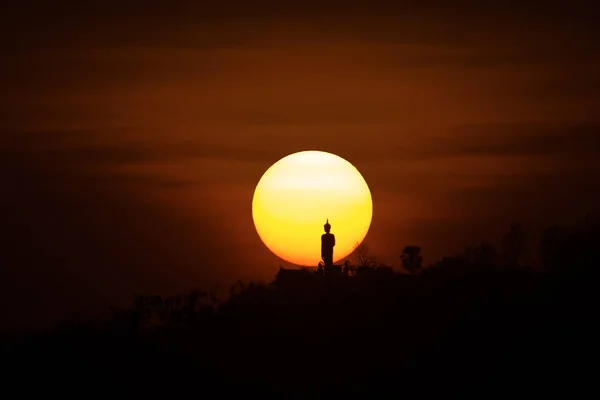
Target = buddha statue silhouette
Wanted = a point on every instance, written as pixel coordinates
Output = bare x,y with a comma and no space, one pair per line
327,245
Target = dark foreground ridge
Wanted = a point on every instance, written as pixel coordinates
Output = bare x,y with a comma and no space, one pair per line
465,326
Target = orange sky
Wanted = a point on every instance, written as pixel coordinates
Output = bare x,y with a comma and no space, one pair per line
132,138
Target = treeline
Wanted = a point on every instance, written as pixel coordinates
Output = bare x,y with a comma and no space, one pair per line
482,322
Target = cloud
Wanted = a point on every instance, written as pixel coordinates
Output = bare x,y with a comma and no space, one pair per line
196,24
575,140
111,146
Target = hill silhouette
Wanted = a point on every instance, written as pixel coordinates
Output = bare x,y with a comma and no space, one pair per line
480,323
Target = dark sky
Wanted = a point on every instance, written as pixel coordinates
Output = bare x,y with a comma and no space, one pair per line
132,134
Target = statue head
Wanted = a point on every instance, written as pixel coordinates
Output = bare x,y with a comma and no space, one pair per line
327,226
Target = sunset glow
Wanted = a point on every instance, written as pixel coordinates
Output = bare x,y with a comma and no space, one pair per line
296,196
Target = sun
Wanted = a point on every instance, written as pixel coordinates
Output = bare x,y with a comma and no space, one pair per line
295,197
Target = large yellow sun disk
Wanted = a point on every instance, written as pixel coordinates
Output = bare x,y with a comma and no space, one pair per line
298,193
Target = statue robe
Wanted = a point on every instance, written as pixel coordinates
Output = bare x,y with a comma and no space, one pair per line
327,245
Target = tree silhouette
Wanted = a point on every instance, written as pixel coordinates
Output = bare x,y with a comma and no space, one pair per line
514,245
364,258
411,259
573,249
485,255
